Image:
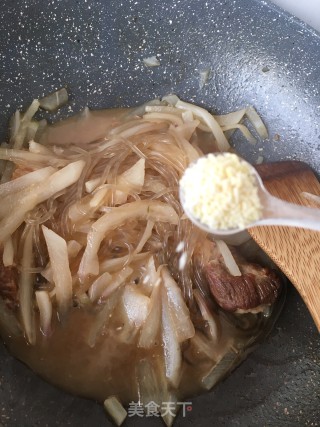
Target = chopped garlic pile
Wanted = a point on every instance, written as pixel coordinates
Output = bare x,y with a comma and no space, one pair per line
221,192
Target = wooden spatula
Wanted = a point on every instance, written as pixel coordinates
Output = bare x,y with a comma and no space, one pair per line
296,251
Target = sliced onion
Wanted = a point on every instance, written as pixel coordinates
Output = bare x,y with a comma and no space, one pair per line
220,370
99,285
228,258
210,121
247,134
140,129
178,133
152,382
145,236
231,119
204,76
8,252
26,290
151,327
179,312
115,409
168,416
102,318
151,61
92,184
36,148
114,264
45,308
47,273
133,178
171,99
25,181
15,125
118,282
258,124
74,248
43,191
187,129
260,160
163,109
58,254
22,157
151,277
200,349
31,111
136,305
18,136
146,209
32,129
171,346
163,117
54,100
208,316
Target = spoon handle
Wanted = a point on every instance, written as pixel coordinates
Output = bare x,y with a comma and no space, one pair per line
279,212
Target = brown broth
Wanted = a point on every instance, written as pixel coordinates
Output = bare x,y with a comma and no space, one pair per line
110,367
66,360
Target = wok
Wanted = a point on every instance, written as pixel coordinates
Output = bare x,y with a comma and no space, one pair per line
257,54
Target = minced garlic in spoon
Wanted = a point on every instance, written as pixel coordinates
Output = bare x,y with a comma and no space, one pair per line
223,194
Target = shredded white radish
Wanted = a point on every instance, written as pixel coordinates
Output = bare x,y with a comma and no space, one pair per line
228,258
58,254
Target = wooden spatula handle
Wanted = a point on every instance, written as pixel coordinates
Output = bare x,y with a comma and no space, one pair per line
296,251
